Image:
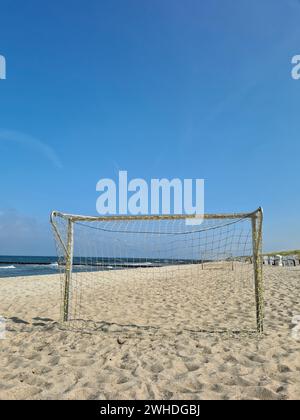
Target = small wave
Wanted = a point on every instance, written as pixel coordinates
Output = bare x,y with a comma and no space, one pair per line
53,265
7,267
140,264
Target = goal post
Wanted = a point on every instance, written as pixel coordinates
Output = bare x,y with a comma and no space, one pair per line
68,270
257,220
219,256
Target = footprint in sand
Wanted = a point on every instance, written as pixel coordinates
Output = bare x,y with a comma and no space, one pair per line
296,327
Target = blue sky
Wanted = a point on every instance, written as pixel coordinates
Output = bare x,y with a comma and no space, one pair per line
188,89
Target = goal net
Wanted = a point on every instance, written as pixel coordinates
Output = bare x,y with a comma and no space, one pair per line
158,272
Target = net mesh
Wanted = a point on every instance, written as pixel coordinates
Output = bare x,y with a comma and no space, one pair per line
158,274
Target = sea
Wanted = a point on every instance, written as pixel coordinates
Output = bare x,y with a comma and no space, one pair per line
14,266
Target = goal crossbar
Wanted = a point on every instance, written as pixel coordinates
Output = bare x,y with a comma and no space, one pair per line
77,217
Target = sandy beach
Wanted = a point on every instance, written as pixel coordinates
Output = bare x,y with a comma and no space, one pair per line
156,336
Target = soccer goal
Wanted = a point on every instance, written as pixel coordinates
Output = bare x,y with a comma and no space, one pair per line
161,272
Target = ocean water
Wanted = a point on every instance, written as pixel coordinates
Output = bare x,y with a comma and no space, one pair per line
13,266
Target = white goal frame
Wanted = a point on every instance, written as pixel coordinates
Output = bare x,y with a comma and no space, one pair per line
256,218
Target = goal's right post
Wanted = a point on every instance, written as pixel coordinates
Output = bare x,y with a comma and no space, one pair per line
257,219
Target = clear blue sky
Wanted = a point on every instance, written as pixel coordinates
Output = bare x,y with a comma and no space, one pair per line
168,88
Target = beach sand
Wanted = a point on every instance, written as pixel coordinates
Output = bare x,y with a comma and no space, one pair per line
158,335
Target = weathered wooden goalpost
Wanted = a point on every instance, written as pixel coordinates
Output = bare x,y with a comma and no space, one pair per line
63,227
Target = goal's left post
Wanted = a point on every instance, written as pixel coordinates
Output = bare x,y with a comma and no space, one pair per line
68,270
63,228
